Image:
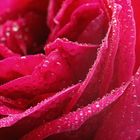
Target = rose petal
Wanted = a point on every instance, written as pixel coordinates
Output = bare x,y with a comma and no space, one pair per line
63,17
76,55
125,114
19,104
54,6
52,75
14,67
99,77
95,30
12,5
125,58
24,35
46,110
5,52
4,110
136,5
113,72
72,29
115,105
13,8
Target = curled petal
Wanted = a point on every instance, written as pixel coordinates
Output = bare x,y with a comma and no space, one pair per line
54,6
76,55
99,77
15,67
52,75
108,111
72,29
125,58
24,35
5,52
136,5
45,110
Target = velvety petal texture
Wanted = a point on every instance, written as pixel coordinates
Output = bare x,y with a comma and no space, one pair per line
69,70
115,105
136,5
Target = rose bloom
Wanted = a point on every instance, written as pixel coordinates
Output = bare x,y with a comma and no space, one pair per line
69,70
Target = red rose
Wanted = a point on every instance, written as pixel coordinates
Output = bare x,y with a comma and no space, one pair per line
68,70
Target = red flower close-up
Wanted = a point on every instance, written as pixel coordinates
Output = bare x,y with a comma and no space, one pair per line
69,70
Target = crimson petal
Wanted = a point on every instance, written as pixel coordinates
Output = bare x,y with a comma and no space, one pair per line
125,58
123,115
14,67
52,75
136,5
14,8
45,110
24,35
5,52
113,108
76,55
72,29
95,30
54,6
98,79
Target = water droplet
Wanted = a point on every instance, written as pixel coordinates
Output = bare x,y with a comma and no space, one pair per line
97,105
23,57
135,96
7,33
58,63
81,113
15,28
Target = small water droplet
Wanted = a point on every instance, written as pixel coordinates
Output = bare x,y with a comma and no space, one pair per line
7,33
81,113
23,57
97,105
135,96
58,63
15,28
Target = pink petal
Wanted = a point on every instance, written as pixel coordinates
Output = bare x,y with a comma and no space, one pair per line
24,35
5,52
122,121
76,55
72,29
70,14
54,6
14,67
95,30
19,104
99,77
115,116
108,68
136,5
13,8
13,5
4,110
46,110
70,5
125,58
52,75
